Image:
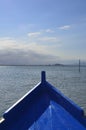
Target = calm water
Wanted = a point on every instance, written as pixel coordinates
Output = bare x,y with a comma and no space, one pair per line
15,81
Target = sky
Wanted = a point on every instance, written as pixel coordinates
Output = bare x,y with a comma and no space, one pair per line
42,31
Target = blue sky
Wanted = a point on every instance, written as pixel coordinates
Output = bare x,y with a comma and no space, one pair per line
42,31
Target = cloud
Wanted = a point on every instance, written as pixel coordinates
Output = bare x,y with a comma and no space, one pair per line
49,39
37,34
41,37
49,31
34,34
14,52
22,57
65,27
7,43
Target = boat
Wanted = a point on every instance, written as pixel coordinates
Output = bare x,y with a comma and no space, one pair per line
44,108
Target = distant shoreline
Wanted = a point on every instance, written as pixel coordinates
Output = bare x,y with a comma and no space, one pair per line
63,65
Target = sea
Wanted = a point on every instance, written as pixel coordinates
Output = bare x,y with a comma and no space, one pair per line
16,81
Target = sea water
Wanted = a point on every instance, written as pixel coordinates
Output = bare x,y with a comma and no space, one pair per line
15,81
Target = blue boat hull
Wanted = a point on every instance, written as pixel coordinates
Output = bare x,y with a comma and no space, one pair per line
44,108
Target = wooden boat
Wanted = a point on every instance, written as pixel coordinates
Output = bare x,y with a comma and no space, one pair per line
44,108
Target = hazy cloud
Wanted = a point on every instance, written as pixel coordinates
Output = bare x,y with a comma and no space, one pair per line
65,27
13,52
22,57
34,34
49,39
49,31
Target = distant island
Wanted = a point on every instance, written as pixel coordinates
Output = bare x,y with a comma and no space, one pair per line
77,63
55,64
